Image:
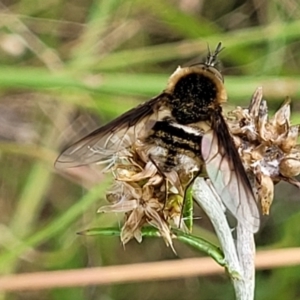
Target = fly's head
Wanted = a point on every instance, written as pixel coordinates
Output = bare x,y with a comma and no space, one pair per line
196,90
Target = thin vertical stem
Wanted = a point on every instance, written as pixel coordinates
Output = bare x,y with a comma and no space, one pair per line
239,255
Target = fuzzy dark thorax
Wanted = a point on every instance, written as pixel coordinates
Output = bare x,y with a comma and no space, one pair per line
192,97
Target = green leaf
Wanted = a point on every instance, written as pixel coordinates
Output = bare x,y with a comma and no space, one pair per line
188,208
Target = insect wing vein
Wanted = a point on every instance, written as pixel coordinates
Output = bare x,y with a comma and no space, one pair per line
229,179
101,145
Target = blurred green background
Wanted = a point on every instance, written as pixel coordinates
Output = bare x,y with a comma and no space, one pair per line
67,67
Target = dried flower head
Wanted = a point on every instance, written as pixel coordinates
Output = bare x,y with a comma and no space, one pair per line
268,146
145,195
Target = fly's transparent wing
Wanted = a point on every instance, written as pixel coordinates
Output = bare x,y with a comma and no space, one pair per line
226,171
102,144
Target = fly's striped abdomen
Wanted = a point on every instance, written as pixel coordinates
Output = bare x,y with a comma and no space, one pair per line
178,141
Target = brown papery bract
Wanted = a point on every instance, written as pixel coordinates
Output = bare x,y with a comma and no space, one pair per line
268,146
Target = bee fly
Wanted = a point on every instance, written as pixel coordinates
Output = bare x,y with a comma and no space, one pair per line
182,128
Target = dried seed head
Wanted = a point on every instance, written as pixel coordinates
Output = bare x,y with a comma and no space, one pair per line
268,146
145,195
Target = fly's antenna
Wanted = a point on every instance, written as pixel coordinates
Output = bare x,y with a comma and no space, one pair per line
211,58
